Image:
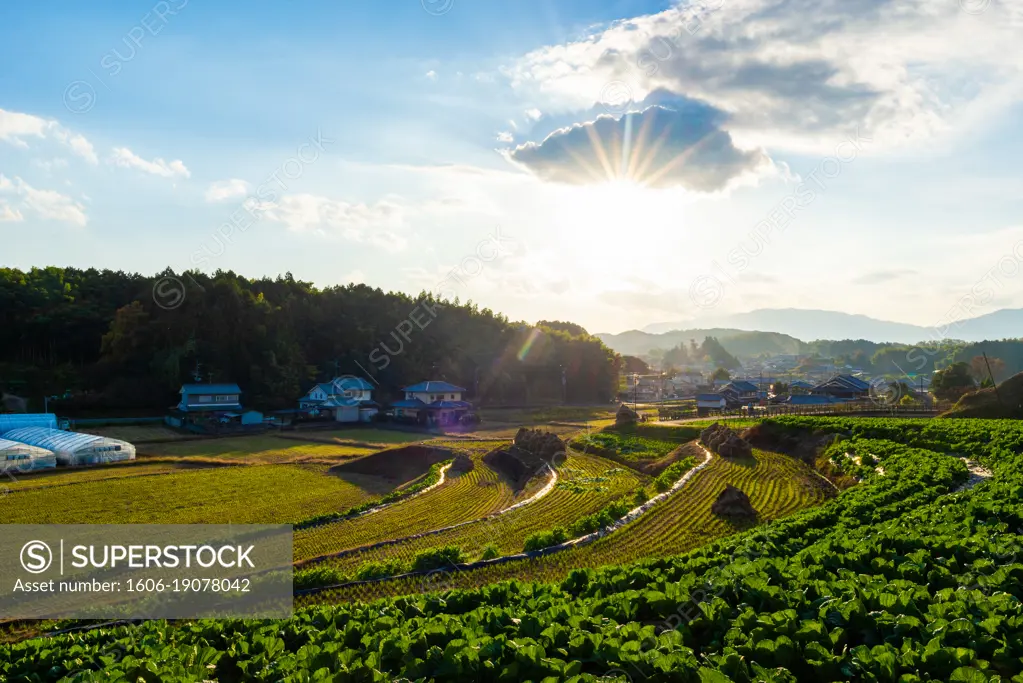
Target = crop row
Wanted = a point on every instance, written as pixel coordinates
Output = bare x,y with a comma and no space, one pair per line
776,484
596,484
261,494
460,498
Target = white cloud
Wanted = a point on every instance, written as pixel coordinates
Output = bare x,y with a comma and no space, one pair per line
125,158
47,204
796,74
533,114
366,223
8,214
15,126
223,190
431,74
505,136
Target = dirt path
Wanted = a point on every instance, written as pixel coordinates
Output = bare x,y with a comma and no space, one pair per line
978,474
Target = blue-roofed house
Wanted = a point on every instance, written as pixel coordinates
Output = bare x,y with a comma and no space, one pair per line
844,387
740,392
210,397
428,392
710,402
433,402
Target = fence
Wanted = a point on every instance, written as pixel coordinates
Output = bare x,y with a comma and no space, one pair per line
850,408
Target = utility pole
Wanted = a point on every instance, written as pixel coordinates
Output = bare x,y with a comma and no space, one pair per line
992,377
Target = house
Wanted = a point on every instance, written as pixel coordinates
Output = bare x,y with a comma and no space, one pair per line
355,388
798,386
432,402
844,387
428,392
812,400
347,399
210,397
740,392
710,402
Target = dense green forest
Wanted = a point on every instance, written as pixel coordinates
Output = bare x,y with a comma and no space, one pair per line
112,340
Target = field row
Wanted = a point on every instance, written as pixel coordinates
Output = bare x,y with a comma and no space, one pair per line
462,497
586,484
776,484
269,494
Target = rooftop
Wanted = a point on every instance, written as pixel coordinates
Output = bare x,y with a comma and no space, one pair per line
211,389
433,386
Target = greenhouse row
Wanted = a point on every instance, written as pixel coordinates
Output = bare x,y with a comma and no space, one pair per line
33,442
19,457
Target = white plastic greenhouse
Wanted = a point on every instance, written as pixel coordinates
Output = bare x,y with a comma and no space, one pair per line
72,448
19,457
9,421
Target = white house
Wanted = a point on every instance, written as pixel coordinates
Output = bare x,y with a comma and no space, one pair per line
428,392
349,399
354,388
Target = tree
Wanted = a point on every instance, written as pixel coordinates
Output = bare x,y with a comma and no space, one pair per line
632,364
718,354
720,373
978,368
952,382
780,388
105,336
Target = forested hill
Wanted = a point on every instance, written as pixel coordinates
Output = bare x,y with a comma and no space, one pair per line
117,340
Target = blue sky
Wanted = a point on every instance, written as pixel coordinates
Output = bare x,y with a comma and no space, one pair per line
726,154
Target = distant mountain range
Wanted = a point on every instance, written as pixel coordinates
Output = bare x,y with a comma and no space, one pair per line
791,326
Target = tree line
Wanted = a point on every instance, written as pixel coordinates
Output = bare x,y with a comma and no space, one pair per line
105,340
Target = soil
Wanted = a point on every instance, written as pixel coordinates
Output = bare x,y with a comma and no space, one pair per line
396,464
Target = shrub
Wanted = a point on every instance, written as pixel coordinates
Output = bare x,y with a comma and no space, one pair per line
666,479
545,539
437,558
379,570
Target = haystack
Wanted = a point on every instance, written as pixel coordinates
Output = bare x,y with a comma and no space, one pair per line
625,416
725,442
733,502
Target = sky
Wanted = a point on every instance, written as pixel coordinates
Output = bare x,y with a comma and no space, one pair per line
614,164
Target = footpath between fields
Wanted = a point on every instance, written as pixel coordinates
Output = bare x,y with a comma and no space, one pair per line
629,517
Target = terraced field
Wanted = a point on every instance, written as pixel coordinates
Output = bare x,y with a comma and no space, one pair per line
460,498
586,484
382,437
221,495
16,481
256,449
777,485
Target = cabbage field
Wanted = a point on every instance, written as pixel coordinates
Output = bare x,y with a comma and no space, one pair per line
912,574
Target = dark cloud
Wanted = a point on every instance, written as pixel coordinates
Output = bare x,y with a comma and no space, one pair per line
659,147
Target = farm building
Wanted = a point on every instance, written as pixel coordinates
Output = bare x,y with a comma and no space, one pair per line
710,402
19,457
843,386
18,420
72,448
